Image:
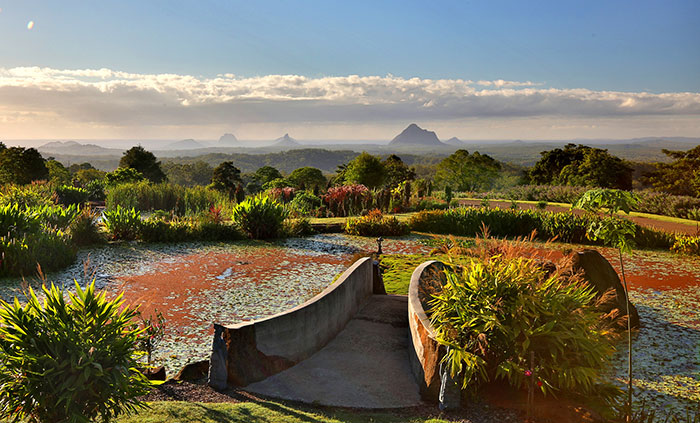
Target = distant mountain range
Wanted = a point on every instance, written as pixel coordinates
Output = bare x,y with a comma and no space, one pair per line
188,144
415,135
413,140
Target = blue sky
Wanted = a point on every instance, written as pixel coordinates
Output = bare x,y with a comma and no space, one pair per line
620,46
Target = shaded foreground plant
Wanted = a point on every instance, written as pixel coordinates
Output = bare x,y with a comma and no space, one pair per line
68,361
618,233
492,313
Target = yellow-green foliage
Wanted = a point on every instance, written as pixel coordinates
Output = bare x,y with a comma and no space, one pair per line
686,245
493,312
68,361
145,196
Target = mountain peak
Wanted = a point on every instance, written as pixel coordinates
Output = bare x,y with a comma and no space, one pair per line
228,139
415,135
286,141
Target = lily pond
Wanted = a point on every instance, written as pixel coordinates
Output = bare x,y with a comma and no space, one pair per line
196,284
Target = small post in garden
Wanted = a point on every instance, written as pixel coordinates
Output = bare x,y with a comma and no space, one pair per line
379,245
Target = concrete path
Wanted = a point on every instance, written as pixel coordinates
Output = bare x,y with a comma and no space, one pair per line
365,366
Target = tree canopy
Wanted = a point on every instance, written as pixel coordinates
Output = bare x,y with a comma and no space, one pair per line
307,178
364,169
396,171
227,178
19,165
681,176
266,174
143,161
581,165
188,174
467,172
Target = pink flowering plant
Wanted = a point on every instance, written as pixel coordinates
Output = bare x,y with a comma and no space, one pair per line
153,332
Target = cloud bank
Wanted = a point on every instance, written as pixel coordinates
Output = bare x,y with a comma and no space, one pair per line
97,100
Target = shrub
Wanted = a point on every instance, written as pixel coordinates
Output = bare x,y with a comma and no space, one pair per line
26,196
57,216
297,227
51,249
686,245
16,220
429,204
493,313
566,227
68,361
305,204
122,223
376,224
95,190
69,195
83,230
260,217
541,205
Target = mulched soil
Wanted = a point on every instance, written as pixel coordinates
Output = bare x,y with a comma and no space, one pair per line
669,227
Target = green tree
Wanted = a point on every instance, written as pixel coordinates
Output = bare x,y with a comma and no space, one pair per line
58,173
188,174
21,166
681,176
467,172
581,165
266,174
365,169
618,233
123,175
143,161
227,178
397,171
85,176
307,178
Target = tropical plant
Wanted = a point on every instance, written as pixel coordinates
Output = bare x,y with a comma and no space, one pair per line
26,196
49,249
686,245
122,223
57,216
16,220
68,361
347,200
495,313
83,230
260,217
618,233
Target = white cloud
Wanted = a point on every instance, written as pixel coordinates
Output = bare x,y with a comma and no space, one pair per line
106,98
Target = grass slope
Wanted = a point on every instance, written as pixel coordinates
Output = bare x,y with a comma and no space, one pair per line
262,412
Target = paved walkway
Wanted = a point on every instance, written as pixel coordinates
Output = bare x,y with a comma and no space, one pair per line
365,366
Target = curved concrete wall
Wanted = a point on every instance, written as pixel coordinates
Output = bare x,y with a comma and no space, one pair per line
426,352
251,351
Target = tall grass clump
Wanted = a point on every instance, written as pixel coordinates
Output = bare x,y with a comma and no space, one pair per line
496,314
68,361
260,217
145,196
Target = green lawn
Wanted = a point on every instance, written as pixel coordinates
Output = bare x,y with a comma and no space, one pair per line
260,412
